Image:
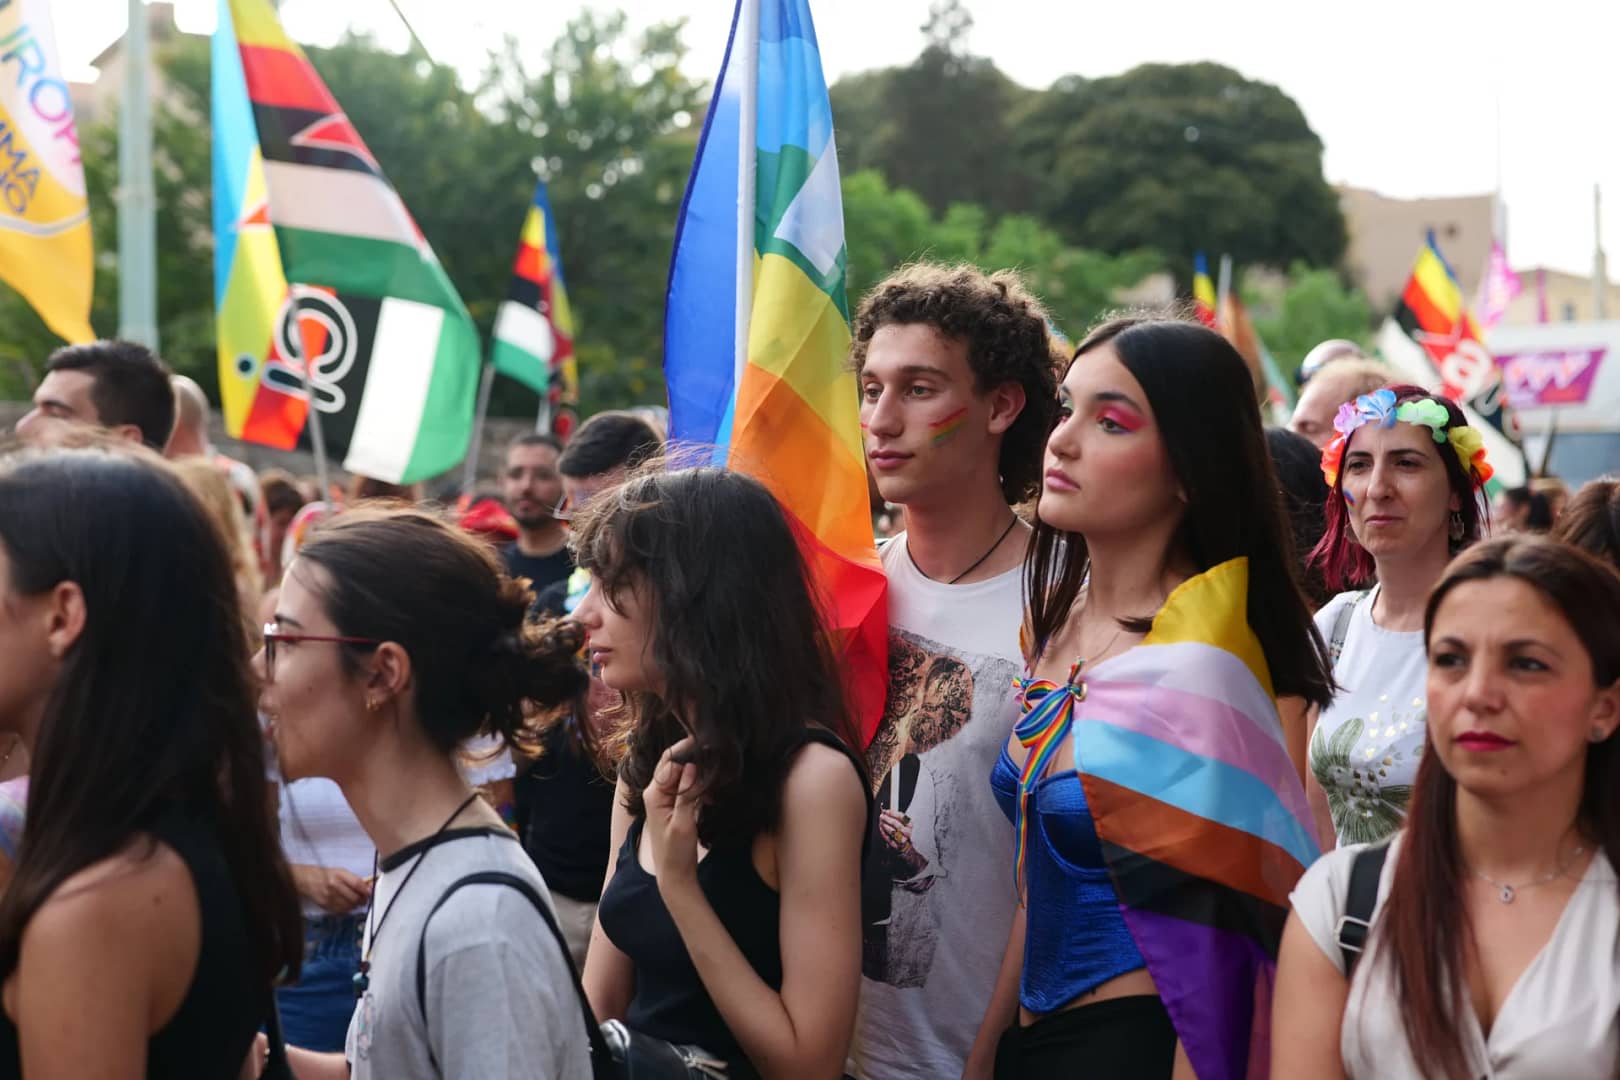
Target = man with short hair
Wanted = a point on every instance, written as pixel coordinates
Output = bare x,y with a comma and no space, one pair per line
600,454
958,382
1335,383
533,491
115,385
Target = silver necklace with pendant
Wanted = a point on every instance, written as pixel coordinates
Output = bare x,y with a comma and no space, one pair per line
1508,893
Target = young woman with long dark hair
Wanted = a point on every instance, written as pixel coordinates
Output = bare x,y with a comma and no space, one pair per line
1405,468
397,638
1496,927
729,924
1160,820
150,908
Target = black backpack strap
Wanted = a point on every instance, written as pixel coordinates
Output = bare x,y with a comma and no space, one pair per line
1359,900
593,1031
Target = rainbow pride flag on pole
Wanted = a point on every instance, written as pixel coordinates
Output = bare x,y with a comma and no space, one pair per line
756,328
1203,291
320,272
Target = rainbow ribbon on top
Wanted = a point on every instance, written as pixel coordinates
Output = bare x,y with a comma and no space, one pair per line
1048,713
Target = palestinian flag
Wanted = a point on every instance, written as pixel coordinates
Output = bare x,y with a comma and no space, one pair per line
334,278
1432,313
534,329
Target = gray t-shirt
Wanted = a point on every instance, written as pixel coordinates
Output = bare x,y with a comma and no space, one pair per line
500,1000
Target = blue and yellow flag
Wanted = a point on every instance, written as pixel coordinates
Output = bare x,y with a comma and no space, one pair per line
756,328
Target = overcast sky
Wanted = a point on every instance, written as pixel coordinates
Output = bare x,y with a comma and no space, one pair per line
1405,94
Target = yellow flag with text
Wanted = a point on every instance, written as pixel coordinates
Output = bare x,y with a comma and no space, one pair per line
45,249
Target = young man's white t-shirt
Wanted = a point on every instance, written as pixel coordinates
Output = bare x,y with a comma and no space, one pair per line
936,912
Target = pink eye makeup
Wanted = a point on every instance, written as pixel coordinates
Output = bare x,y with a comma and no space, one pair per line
1125,418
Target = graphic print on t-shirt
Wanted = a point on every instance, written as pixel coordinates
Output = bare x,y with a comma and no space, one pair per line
932,690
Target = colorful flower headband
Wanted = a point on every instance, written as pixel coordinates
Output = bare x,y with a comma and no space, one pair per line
1379,408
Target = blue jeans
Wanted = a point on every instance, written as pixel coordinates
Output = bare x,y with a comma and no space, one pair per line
315,1012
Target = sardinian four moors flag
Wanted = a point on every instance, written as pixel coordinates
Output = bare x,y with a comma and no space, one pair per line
534,328
756,328
318,264
45,249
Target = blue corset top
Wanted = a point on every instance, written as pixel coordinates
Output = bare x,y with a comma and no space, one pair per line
1075,936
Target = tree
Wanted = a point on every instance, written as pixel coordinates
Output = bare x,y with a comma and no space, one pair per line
1182,158
1311,307
886,227
940,126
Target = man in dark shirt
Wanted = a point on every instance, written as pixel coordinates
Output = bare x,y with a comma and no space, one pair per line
533,488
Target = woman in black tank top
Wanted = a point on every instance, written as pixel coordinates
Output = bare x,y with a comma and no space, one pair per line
151,908
730,920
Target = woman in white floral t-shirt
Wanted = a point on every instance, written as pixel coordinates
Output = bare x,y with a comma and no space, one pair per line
1404,468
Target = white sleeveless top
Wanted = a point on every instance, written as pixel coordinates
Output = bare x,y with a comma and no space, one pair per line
1561,1019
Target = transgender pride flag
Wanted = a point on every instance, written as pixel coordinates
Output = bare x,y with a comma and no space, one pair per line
756,328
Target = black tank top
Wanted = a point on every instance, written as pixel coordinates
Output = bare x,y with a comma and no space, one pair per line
670,1002
210,1033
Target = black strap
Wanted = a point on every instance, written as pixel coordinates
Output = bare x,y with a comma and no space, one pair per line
1359,901
600,1060
276,1066
815,734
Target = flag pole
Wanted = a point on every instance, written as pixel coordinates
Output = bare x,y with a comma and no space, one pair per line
137,203
1224,287
469,472
312,418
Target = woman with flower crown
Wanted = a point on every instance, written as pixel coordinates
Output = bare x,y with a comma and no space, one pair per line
1405,469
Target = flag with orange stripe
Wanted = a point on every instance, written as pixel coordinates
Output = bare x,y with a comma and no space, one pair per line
756,327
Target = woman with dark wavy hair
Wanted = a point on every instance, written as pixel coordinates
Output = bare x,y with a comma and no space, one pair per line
397,638
1495,916
150,909
729,928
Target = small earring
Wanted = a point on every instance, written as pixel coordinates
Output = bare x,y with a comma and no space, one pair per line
373,704
1597,735
1456,530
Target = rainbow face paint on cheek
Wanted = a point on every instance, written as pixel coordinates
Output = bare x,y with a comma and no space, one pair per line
1349,499
945,430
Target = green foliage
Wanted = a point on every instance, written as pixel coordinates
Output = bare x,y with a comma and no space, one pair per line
1311,307
887,227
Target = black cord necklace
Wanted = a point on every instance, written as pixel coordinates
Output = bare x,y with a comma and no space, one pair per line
362,978
976,562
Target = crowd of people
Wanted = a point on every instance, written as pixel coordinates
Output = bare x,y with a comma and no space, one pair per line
1209,749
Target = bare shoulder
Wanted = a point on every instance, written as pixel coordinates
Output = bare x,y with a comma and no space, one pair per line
820,779
141,893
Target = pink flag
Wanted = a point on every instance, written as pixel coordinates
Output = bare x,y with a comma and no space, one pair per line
1498,289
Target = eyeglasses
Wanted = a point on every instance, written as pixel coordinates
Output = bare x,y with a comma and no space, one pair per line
274,637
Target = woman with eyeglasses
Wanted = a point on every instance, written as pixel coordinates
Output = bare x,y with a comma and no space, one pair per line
150,908
397,638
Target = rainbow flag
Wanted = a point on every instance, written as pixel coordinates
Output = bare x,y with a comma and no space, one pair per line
756,328
1201,815
534,328
319,268
1203,291
45,247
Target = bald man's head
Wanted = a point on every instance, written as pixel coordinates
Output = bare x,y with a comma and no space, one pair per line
1332,386
190,437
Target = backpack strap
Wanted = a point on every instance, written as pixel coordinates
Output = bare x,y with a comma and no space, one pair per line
593,1032
1341,627
1360,898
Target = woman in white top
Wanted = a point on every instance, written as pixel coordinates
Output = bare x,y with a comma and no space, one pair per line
1493,947
1404,470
